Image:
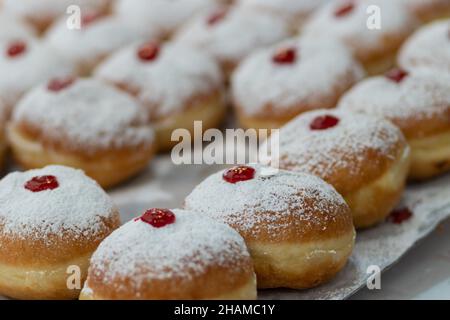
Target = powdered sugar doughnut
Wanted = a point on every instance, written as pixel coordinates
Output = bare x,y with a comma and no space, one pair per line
428,10
98,38
12,28
171,254
178,84
166,16
230,35
50,219
419,104
41,13
429,47
274,85
364,157
349,20
25,63
295,11
83,124
298,229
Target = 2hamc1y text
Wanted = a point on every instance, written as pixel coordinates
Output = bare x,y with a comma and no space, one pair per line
222,309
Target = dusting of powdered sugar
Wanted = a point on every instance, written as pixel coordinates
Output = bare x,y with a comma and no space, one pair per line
239,33
343,147
423,94
139,252
178,74
259,82
352,28
37,64
429,47
95,41
78,205
88,115
164,15
262,202
12,28
286,8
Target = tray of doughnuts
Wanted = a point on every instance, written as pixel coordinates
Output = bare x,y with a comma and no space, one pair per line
93,95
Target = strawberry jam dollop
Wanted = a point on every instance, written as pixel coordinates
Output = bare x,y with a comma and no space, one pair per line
42,183
158,218
285,56
344,10
398,216
324,122
216,17
16,49
239,174
148,51
59,84
396,75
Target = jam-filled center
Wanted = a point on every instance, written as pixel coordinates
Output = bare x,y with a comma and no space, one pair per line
158,218
238,174
148,51
324,122
285,56
42,183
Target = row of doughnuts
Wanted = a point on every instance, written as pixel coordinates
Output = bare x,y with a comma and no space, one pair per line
269,88
259,228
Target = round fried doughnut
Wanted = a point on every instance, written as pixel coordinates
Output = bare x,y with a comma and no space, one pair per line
171,254
51,221
274,85
364,157
230,34
298,229
348,21
85,124
429,47
418,102
176,83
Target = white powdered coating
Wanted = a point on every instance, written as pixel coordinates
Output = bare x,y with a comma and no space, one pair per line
239,33
88,115
78,205
429,47
166,84
12,28
262,202
165,15
423,94
37,64
259,82
287,8
49,9
140,252
352,29
95,41
342,147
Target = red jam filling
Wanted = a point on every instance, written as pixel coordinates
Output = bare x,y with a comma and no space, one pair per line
345,9
398,216
56,85
89,18
42,183
285,56
396,75
158,218
238,174
148,51
324,122
216,17
16,48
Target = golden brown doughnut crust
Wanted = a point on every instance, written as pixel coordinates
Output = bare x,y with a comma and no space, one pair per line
210,284
23,252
